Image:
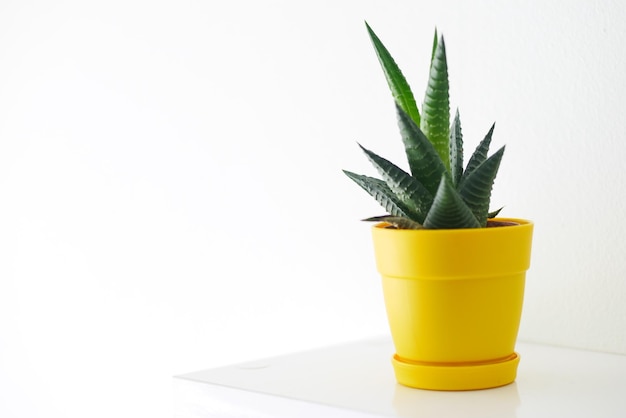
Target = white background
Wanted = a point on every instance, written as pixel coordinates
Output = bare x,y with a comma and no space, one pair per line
171,195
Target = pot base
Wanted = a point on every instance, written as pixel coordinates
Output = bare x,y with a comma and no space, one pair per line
461,376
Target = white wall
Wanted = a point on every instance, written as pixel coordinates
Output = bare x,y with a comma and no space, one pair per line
171,196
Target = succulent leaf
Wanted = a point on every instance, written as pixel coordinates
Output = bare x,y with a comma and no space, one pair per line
476,189
400,89
448,210
456,150
397,221
480,154
435,122
495,213
379,190
435,39
408,189
423,159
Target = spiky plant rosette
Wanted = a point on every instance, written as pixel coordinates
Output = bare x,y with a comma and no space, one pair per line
438,193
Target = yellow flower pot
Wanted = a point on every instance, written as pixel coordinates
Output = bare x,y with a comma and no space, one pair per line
454,301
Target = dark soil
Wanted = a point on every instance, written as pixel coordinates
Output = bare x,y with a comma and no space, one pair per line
491,224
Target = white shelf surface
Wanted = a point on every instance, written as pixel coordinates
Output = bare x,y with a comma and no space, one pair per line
356,381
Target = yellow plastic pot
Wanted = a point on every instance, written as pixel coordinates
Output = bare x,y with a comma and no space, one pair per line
454,301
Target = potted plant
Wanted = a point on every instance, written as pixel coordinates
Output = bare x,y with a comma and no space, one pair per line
453,274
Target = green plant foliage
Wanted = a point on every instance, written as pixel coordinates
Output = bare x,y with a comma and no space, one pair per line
435,122
397,83
448,210
437,193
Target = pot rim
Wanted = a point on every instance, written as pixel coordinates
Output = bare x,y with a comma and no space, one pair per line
476,252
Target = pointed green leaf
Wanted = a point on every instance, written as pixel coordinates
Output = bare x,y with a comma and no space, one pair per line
448,210
480,154
379,190
408,189
476,189
425,164
400,89
397,221
435,121
456,150
435,39
495,213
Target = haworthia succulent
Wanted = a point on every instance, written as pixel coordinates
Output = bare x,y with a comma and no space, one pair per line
438,192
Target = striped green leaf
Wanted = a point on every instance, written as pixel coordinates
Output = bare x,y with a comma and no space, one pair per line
448,210
398,85
476,189
435,122
480,154
379,190
408,189
424,161
456,150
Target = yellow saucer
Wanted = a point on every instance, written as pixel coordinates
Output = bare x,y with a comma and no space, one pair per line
462,376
